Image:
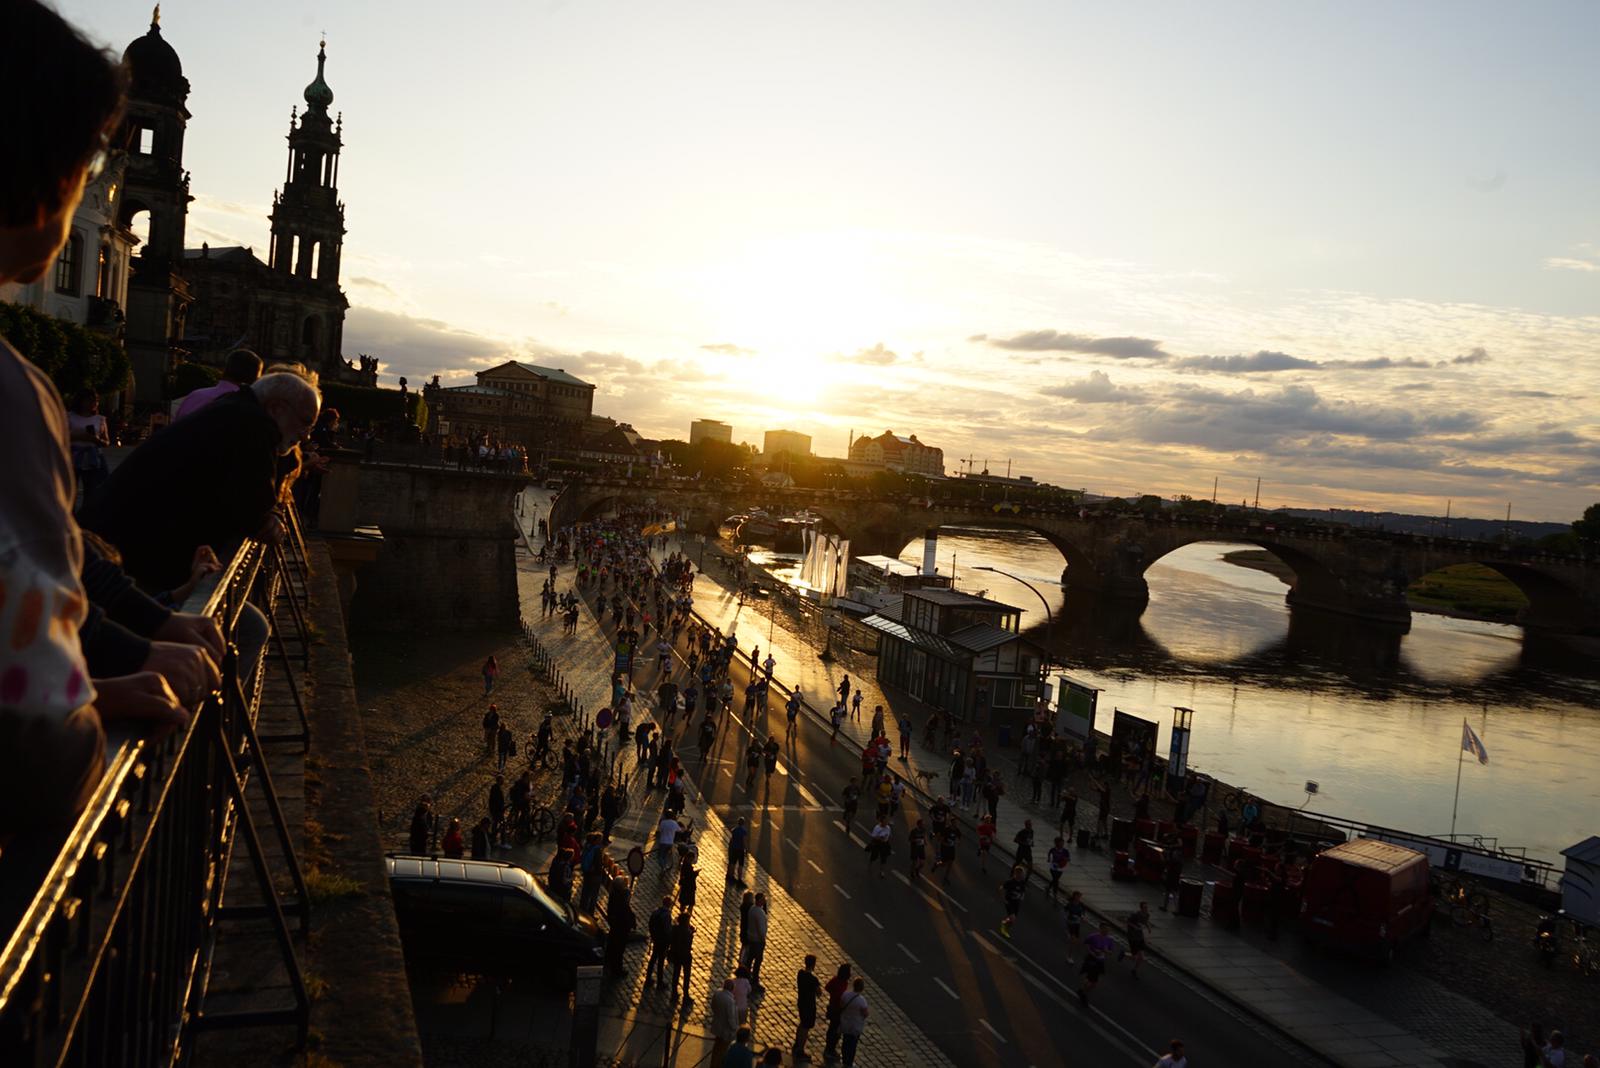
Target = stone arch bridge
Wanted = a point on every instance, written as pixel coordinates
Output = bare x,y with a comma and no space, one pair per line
1343,570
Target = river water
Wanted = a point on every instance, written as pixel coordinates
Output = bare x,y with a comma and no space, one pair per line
1375,719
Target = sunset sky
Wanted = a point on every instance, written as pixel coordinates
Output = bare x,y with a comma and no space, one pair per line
1352,249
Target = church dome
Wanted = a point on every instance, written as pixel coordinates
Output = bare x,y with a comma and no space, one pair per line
157,73
317,94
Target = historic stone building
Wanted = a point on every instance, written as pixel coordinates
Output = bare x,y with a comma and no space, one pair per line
893,452
514,402
291,307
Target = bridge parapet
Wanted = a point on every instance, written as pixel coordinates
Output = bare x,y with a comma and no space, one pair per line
1346,570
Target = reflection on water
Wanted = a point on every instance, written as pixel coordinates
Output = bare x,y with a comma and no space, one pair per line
1283,697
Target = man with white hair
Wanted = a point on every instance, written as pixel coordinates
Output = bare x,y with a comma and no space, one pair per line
211,478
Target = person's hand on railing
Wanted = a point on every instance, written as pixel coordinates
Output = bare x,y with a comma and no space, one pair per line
191,628
188,669
205,563
142,702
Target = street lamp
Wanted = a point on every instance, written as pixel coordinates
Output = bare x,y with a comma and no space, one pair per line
1049,619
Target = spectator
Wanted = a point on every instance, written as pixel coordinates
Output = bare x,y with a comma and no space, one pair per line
743,1054
69,97
210,480
89,436
724,1021
242,368
853,1014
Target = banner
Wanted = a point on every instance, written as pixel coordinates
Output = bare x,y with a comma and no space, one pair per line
1133,740
1075,708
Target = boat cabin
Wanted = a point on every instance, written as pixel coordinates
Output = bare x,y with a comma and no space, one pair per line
960,653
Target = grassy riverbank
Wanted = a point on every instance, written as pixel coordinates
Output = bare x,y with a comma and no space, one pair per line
1468,591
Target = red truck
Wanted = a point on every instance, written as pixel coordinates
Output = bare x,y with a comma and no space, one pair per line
1366,897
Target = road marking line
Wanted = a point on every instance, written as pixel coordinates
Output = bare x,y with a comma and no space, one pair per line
807,794
946,895
929,898
946,988
873,920
914,958
792,843
986,944
814,866
840,824
990,1028
842,890
858,840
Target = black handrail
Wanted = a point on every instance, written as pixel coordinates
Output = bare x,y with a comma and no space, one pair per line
110,960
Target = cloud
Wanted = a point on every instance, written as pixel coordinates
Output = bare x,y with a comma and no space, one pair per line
877,356
1096,389
1571,263
1121,348
1477,355
1492,184
1258,362
1538,393
372,283
1376,363
419,348
726,348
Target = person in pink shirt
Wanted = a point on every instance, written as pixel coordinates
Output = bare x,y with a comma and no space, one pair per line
243,368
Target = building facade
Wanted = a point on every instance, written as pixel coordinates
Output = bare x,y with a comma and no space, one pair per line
893,452
89,283
290,307
710,430
515,402
781,441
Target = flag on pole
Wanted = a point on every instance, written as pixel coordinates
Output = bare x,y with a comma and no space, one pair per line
1471,743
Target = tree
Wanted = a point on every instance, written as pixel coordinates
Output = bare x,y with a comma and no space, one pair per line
1588,528
75,357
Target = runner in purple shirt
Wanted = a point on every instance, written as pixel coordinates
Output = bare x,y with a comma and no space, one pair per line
1096,948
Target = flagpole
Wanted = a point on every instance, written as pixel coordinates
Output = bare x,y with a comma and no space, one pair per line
1461,751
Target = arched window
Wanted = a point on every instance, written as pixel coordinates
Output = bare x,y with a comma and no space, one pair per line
311,335
69,266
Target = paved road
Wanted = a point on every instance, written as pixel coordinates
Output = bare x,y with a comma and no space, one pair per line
936,947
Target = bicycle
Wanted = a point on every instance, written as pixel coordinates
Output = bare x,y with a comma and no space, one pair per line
543,822
1467,907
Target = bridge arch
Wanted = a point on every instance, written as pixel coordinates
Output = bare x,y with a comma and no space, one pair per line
1552,602
1072,553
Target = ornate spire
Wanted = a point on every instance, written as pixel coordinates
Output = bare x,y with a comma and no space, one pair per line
317,94
155,17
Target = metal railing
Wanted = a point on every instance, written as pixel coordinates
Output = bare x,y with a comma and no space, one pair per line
111,960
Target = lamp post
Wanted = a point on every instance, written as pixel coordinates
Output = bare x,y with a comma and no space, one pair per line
1049,619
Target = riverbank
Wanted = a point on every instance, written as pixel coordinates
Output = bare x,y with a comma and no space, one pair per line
1466,591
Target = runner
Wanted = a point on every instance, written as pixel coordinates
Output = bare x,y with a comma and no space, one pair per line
1139,925
773,749
855,702
1012,891
878,848
835,717
768,664
947,850
852,797
1097,947
1023,840
1058,858
791,711
918,838
1074,910
985,840
752,764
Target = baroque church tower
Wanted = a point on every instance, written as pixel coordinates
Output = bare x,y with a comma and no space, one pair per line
308,223
155,185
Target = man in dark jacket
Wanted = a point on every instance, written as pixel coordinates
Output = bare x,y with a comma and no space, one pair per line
660,930
210,479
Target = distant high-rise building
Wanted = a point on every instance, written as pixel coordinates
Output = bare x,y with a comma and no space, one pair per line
789,441
710,430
